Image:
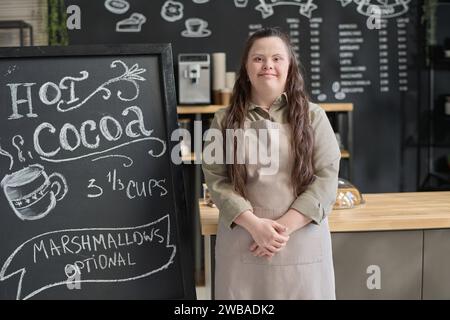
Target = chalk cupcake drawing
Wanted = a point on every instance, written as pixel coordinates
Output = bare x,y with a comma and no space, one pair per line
387,8
31,193
172,11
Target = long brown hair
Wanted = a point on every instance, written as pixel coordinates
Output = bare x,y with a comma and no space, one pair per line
302,140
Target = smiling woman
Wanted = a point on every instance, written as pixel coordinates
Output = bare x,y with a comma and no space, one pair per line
273,240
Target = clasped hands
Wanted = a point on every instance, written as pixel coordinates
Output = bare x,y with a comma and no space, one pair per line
271,236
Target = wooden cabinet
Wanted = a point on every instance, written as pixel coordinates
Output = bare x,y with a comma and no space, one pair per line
378,265
436,264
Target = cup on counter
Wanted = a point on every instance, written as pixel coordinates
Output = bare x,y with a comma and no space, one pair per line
217,97
225,96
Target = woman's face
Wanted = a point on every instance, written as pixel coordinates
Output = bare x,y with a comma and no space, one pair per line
268,64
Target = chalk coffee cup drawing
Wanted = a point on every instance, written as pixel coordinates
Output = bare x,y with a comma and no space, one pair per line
31,193
240,3
196,27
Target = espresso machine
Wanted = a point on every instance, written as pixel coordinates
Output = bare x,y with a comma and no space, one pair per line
194,78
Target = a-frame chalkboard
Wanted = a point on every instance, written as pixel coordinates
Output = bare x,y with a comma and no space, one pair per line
91,205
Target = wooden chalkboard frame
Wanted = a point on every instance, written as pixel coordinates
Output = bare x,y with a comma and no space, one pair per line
163,52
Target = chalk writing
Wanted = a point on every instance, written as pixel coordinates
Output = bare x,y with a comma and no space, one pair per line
132,189
105,249
51,93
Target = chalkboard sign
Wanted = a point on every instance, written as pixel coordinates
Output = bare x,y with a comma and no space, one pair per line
360,52
91,205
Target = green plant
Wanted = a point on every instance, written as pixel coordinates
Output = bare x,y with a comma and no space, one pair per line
57,29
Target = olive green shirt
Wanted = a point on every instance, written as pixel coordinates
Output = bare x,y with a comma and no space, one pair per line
318,199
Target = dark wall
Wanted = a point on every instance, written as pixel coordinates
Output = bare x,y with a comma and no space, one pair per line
344,61
434,122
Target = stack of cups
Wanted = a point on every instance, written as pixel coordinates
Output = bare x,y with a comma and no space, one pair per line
219,71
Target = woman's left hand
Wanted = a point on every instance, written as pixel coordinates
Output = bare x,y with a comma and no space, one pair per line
259,251
293,220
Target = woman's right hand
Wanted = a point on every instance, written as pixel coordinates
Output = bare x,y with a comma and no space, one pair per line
269,234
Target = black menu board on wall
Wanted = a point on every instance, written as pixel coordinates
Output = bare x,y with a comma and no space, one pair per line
92,207
360,52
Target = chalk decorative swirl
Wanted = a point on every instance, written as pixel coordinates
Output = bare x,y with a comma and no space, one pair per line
131,75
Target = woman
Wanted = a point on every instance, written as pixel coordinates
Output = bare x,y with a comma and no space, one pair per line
273,240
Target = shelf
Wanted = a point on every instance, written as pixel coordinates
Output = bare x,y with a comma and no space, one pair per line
199,109
347,108
191,158
440,145
345,154
208,109
336,107
13,24
188,158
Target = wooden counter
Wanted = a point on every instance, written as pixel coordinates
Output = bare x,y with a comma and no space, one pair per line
205,109
382,211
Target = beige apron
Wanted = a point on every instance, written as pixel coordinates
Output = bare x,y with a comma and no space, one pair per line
303,269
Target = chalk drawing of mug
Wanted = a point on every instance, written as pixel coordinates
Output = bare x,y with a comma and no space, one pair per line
31,193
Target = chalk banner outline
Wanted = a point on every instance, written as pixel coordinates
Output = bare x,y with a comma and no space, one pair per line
388,10
23,270
305,8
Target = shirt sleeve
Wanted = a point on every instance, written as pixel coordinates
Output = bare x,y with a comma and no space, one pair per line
318,199
227,200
